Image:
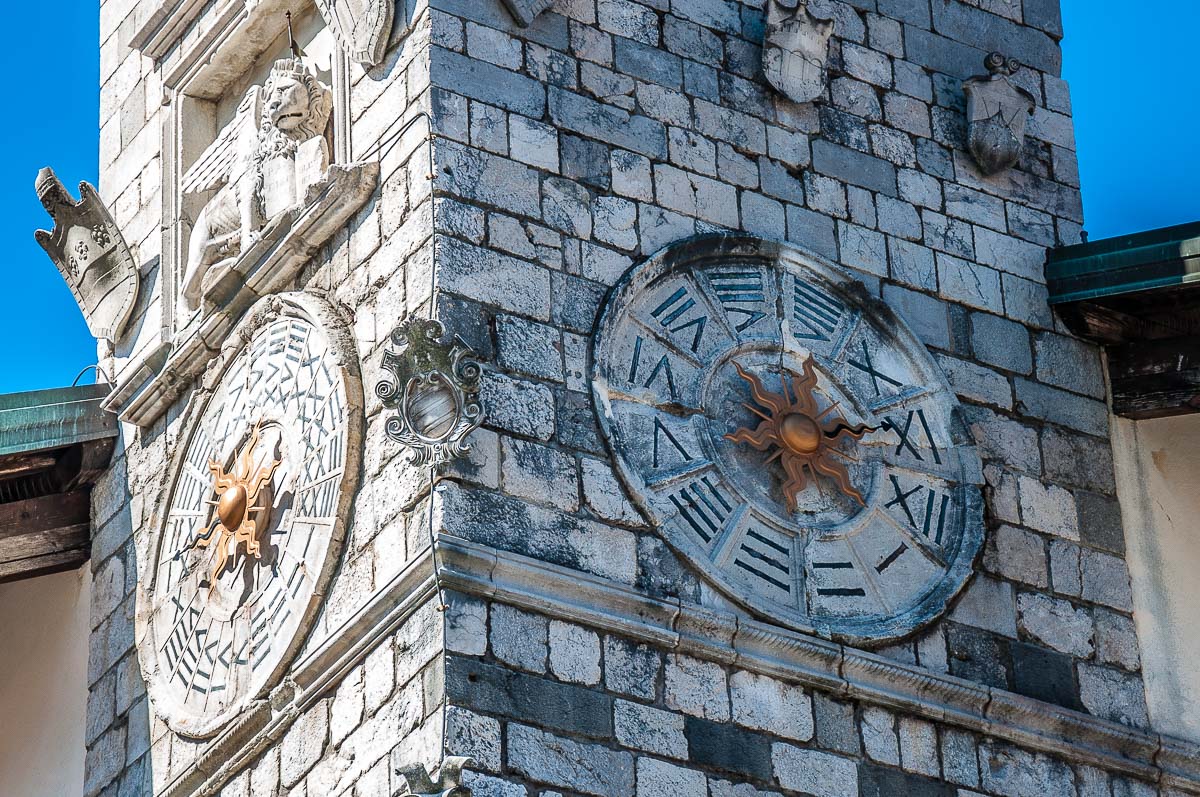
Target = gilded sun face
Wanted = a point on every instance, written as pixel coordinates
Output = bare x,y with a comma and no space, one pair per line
801,434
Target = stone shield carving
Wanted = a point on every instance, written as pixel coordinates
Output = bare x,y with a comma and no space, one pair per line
796,49
91,254
434,387
525,11
997,111
361,27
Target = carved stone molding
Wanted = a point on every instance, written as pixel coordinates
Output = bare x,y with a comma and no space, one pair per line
796,48
997,111
360,26
269,265
91,254
434,387
525,11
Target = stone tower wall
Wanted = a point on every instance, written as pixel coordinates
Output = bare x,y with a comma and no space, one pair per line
578,655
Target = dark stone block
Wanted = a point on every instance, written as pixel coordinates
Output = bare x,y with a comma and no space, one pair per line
661,574
978,656
577,422
845,129
470,321
586,160
538,701
576,302
1100,522
836,729
728,748
875,781
1044,675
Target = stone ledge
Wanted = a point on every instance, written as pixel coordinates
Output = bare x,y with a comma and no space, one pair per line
755,646
152,384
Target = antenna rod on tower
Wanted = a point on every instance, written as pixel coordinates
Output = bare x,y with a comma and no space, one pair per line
297,53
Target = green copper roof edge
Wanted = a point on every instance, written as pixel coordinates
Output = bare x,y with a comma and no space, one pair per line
45,419
1169,257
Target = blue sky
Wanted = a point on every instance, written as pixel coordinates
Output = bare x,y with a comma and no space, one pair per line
1133,88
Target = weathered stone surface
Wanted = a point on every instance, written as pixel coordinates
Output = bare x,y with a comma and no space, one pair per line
1056,623
651,729
574,653
814,772
1113,695
765,704
696,687
586,768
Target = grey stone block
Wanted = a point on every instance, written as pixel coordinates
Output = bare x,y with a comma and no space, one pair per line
813,231
854,167
964,23
1058,406
914,12
648,63
486,82
1000,342
835,725
876,781
978,656
1100,522
925,314
729,749
569,764
1044,675
631,669
606,123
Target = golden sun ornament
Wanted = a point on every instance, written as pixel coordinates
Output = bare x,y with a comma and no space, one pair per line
802,435
237,499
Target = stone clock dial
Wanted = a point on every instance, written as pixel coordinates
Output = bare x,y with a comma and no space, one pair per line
253,516
790,437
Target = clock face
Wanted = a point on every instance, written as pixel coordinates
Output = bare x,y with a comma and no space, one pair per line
252,524
790,437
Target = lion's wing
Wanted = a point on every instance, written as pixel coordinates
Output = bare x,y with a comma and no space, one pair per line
214,166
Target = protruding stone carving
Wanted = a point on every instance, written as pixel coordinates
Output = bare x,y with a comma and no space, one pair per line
360,26
449,782
272,157
91,254
796,48
434,387
525,11
997,110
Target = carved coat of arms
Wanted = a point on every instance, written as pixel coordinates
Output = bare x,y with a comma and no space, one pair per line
997,110
525,11
796,49
91,254
362,27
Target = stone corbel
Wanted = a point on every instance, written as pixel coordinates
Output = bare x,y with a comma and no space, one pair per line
997,110
796,48
91,254
449,781
525,11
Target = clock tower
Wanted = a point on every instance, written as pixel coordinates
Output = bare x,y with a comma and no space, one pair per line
635,398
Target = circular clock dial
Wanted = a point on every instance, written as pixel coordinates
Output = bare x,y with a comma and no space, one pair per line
252,523
790,436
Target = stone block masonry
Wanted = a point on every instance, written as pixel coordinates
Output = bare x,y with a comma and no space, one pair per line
569,146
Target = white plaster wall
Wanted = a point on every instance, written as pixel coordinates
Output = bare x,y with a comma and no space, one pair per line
1158,481
43,684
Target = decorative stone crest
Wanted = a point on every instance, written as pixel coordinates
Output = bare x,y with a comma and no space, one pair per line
272,157
90,253
360,26
796,48
525,11
997,110
449,782
434,387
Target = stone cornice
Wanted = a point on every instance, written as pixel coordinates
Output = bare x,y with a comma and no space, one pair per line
751,645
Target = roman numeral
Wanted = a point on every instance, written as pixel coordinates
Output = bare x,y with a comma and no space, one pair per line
662,431
765,559
735,288
838,592
867,367
891,558
909,436
932,523
661,369
704,506
673,309
815,313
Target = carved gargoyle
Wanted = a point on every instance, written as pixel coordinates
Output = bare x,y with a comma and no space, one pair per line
264,162
796,49
997,110
90,253
360,26
449,782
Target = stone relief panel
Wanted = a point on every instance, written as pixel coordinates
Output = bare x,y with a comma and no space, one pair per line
796,48
790,436
997,112
264,162
91,254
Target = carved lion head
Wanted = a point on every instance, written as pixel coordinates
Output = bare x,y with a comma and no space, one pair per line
295,103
